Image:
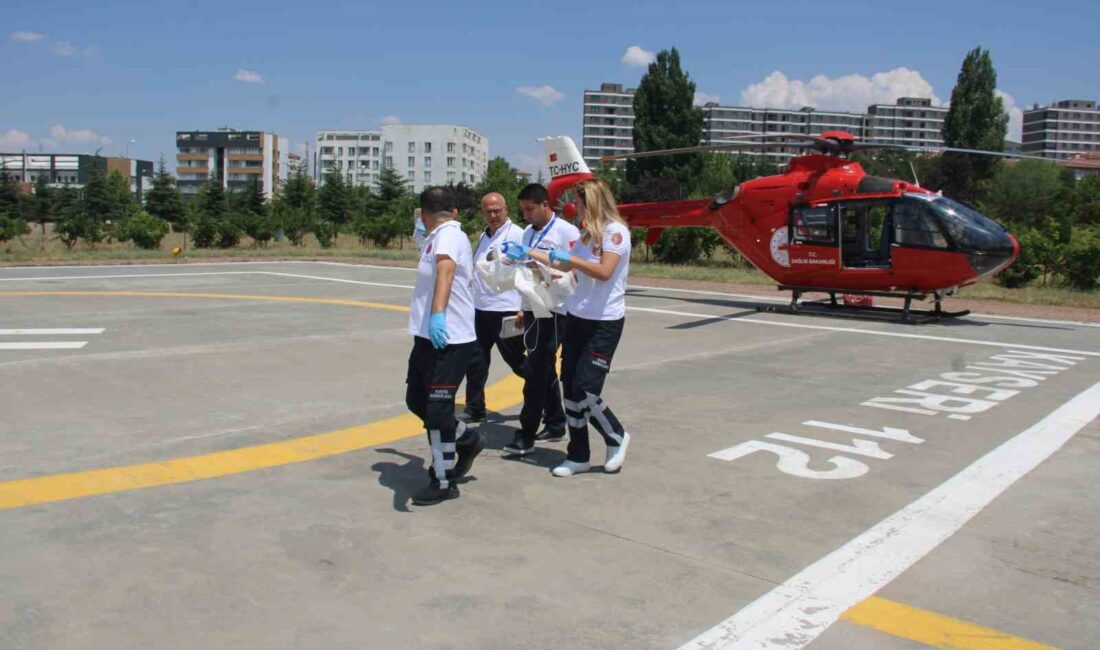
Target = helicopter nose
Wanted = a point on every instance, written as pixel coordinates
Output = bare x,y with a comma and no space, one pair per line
996,254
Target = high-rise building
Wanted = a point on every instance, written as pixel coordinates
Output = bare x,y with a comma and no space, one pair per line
608,123
912,121
74,169
723,124
423,154
1063,129
236,158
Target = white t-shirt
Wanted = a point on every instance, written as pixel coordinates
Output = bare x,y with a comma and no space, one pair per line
557,233
602,300
447,239
485,298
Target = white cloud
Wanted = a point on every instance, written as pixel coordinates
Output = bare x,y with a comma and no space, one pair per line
703,98
636,57
853,92
60,135
1015,116
391,120
248,76
64,48
15,140
27,37
544,95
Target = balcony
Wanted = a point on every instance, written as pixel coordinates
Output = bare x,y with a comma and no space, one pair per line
233,157
193,170
246,170
192,156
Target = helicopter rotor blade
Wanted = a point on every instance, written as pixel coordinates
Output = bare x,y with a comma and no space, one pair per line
731,146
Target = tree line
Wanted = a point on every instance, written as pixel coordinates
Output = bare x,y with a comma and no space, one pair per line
104,210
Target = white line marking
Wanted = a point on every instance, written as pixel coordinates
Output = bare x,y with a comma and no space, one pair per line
793,614
317,277
856,330
755,321
128,275
44,345
55,331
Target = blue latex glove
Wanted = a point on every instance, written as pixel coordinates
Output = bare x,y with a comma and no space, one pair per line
514,250
559,255
437,330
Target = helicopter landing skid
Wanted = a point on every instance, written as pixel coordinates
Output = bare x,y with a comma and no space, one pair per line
834,308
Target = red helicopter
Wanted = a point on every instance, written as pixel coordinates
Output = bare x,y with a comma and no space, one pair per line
825,225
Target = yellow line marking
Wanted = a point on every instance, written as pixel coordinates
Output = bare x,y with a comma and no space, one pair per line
60,487
933,629
227,296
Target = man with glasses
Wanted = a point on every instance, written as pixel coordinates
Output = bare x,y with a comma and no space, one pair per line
491,308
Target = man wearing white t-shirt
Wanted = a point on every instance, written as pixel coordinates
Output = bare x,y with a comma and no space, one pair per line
441,320
541,389
491,308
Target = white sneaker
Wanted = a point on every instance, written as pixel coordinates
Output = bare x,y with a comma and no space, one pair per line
616,456
569,468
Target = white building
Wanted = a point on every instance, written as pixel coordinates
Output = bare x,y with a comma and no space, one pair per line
1063,130
423,154
609,123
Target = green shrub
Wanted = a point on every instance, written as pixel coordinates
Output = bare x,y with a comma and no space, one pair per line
325,232
204,231
1080,264
229,231
12,227
142,228
1026,267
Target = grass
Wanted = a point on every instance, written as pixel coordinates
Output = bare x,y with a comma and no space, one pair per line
34,249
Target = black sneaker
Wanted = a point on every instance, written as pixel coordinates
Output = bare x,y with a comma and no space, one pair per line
520,445
471,416
550,435
432,494
468,448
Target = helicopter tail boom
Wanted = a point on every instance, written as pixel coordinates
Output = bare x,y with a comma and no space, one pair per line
669,214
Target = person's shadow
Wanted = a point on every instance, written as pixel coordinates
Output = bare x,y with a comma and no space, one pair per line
403,479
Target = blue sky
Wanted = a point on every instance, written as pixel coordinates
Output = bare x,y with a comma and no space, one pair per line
78,76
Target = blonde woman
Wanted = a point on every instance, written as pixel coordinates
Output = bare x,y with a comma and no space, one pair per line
594,324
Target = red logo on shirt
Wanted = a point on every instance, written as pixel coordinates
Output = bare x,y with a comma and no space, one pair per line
428,249
616,238
572,243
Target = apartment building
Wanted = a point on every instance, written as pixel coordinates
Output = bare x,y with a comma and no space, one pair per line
74,169
912,121
608,123
423,154
236,158
1062,130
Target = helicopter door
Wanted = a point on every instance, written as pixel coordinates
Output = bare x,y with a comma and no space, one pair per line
813,228
866,234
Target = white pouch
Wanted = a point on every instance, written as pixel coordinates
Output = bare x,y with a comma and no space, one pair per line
545,288
496,271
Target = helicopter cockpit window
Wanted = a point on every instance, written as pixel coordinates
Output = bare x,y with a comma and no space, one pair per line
813,225
915,224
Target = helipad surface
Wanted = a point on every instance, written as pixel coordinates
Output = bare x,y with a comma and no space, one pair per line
219,456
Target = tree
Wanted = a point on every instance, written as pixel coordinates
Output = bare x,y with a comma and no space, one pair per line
211,210
1080,264
163,199
41,206
976,120
664,118
1088,200
1025,194
334,199
891,163
389,187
